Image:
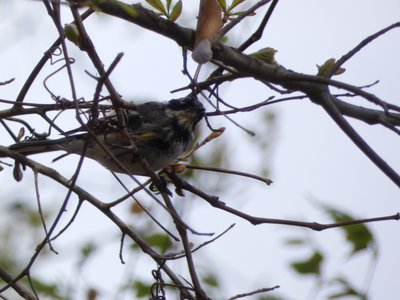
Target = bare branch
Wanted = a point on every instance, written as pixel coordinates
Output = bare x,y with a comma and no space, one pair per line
244,15
84,195
231,66
212,169
259,32
7,81
259,291
18,287
215,202
359,47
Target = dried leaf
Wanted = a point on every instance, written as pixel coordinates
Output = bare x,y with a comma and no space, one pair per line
136,208
21,133
208,26
17,172
178,168
202,53
213,135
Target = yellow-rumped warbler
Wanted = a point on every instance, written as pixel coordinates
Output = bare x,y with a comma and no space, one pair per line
161,131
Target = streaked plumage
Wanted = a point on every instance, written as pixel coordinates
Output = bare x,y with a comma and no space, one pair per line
161,131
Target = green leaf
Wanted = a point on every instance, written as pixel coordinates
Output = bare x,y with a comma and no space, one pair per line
358,235
295,242
128,9
222,5
72,34
234,4
270,297
160,241
176,11
88,249
118,5
142,289
157,4
168,4
86,252
326,66
211,280
241,12
47,289
224,39
346,289
311,265
266,54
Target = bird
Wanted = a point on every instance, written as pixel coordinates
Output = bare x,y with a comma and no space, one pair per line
161,132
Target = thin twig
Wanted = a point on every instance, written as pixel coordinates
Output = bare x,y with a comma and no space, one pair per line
7,81
28,275
18,287
121,248
259,32
215,202
148,213
258,291
82,194
181,255
359,47
75,214
226,171
199,91
242,16
141,186
266,102
182,229
41,211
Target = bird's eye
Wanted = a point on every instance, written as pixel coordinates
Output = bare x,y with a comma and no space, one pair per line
189,100
174,103
182,104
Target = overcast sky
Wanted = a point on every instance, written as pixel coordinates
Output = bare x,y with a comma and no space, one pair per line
311,159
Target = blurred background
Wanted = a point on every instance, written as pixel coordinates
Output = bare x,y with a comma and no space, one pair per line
312,163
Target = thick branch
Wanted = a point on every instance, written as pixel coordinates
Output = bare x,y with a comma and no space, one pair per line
248,66
147,19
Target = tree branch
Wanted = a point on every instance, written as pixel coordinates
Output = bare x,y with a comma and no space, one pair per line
215,202
84,195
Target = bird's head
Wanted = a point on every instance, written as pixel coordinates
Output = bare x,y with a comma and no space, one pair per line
186,111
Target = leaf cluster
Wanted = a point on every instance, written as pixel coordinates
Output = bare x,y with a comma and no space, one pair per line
358,236
167,10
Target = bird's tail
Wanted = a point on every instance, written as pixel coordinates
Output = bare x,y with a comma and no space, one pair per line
30,147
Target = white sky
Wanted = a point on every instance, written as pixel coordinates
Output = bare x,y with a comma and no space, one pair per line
312,159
